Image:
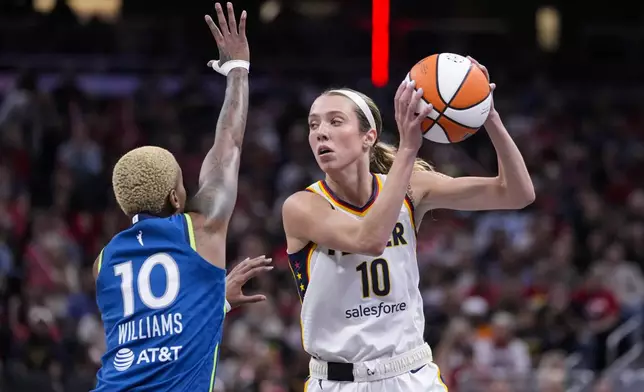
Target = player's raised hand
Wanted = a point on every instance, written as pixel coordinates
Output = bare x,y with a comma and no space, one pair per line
231,39
242,273
407,118
487,75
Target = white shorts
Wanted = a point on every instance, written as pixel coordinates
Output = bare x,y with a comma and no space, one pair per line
425,379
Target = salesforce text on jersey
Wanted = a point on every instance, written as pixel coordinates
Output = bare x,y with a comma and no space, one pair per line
150,327
375,310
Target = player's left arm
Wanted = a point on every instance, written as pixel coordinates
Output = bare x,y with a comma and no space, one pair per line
218,177
511,189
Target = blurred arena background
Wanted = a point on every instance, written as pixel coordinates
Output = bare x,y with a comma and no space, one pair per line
548,299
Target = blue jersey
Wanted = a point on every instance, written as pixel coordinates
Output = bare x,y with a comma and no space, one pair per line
162,307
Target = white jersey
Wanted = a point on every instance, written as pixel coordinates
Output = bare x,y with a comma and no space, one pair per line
357,308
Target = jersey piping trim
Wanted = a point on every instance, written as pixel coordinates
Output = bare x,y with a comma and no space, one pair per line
214,368
300,265
409,204
336,201
100,261
312,190
191,232
440,380
306,383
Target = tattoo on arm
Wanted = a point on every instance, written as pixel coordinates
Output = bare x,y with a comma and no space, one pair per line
219,172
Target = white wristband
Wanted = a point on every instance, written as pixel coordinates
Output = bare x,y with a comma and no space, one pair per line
227,307
228,66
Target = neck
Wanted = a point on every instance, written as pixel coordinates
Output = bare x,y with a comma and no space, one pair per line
164,214
353,185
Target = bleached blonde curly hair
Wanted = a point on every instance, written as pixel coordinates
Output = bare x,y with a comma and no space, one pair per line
143,179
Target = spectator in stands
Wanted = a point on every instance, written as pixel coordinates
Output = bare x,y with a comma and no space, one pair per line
503,354
551,373
600,314
57,212
80,153
603,385
501,385
556,323
19,107
624,278
454,355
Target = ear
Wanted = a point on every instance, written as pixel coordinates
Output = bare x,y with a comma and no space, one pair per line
174,200
370,138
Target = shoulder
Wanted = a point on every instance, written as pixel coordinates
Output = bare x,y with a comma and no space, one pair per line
202,233
196,219
301,209
299,213
303,202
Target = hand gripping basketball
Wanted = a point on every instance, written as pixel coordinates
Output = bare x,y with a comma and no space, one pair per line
231,41
460,90
408,120
487,75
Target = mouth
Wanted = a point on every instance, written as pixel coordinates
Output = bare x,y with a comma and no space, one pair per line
323,150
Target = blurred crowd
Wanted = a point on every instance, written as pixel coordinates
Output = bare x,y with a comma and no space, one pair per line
505,292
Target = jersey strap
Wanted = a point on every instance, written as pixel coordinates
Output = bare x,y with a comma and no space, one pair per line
409,205
100,261
191,231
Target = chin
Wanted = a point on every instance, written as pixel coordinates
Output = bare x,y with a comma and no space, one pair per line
330,166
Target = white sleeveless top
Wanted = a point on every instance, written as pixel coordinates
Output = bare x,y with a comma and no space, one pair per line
357,308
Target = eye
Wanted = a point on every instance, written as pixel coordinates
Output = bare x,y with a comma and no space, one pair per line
336,122
313,126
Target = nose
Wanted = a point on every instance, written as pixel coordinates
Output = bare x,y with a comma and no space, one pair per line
322,134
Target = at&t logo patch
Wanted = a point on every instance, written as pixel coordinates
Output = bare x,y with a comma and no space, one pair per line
124,359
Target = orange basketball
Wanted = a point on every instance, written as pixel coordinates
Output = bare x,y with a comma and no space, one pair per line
460,93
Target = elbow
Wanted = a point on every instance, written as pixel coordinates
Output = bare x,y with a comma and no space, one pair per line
372,246
530,196
527,194
374,250
516,194
523,197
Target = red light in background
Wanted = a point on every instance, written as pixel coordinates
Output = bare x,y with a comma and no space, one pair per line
380,43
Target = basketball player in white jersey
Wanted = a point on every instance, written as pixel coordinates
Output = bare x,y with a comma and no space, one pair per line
352,245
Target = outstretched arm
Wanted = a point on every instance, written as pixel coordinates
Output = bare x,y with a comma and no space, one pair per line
218,178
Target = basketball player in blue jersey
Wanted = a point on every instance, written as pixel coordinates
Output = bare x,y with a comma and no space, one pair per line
161,284
352,240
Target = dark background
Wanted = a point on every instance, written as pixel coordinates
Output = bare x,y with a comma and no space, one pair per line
565,273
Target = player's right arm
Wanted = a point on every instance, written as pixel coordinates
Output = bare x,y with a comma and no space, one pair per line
217,194
308,217
218,177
